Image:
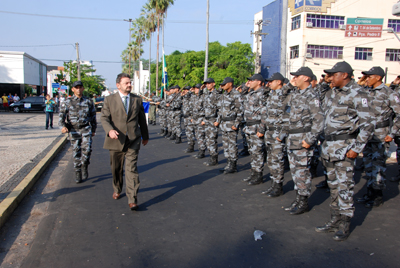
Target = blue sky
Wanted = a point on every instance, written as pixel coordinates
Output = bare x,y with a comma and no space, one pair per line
104,40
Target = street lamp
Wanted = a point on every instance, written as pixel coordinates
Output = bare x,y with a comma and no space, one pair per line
391,30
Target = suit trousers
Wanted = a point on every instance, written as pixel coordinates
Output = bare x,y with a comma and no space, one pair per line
117,159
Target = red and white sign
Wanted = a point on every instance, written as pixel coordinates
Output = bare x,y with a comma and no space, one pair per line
357,30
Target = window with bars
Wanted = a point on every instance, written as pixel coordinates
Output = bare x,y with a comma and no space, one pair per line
296,22
363,53
325,52
294,52
325,21
392,54
395,24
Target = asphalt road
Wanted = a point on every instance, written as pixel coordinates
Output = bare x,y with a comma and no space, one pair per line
193,216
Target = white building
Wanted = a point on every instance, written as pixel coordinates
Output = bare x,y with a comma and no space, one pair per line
140,86
320,33
20,71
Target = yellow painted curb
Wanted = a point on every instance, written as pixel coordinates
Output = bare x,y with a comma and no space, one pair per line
10,203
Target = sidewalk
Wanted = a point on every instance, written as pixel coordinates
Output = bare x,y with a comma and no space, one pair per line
24,141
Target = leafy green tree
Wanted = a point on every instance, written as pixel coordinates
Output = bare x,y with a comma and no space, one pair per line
234,60
93,84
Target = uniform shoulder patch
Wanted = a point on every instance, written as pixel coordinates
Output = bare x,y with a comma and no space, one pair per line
364,102
316,102
396,98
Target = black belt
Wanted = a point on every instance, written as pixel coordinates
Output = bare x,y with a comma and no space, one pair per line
341,137
79,126
231,118
209,117
186,116
252,123
272,128
300,130
176,109
383,124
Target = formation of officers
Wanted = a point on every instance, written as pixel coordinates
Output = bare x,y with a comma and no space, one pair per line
303,120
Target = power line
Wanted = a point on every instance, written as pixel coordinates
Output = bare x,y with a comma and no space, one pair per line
42,45
108,19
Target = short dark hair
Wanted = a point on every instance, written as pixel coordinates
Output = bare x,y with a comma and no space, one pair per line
122,75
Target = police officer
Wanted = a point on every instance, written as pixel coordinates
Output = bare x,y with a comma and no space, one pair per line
348,126
187,117
162,113
169,111
230,115
252,115
211,97
176,114
386,105
244,89
305,125
78,117
198,117
395,85
271,128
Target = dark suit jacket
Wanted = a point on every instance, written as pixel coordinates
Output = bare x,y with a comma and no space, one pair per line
114,117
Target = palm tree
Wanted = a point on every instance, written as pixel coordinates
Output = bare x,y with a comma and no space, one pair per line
160,7
139,36
131,52
151,27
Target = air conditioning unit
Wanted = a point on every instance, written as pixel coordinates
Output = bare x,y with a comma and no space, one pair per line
340,56
342,27
396,9
309,56
369,57
309,24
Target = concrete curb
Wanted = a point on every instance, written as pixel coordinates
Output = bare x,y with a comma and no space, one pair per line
10,203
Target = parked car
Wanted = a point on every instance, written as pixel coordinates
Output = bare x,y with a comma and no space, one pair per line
99,103
29,104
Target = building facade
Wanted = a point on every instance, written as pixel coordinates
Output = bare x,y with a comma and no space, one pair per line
21,73
320,33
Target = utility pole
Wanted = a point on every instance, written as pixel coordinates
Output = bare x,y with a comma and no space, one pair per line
305,55
207,35
257,34
78,64
130,56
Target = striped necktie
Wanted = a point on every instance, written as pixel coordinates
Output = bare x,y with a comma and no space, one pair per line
126,103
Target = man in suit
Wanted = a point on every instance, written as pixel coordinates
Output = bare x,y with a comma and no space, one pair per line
124,122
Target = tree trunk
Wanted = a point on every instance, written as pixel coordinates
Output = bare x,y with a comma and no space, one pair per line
158,47
207,27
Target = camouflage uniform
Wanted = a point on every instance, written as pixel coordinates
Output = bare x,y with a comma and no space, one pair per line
305,123
152,111
155,100
386,104
210,116
198,117
272,126
230,114
349,124
162,115
78,115
244,93
176,106
396,89
252,114
169,115
187,117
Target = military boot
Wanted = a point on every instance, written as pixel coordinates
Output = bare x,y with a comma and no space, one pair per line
190,149
294,203
377,199
172,137
301,207
257,179
154,123
213,161
85,173
344,229
245,151
228,164
322,184
330,226
178,140
200,154
249,177
367,197
167,134
232,168
276,191
313,170
395,179
270,188
78,176
161,132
